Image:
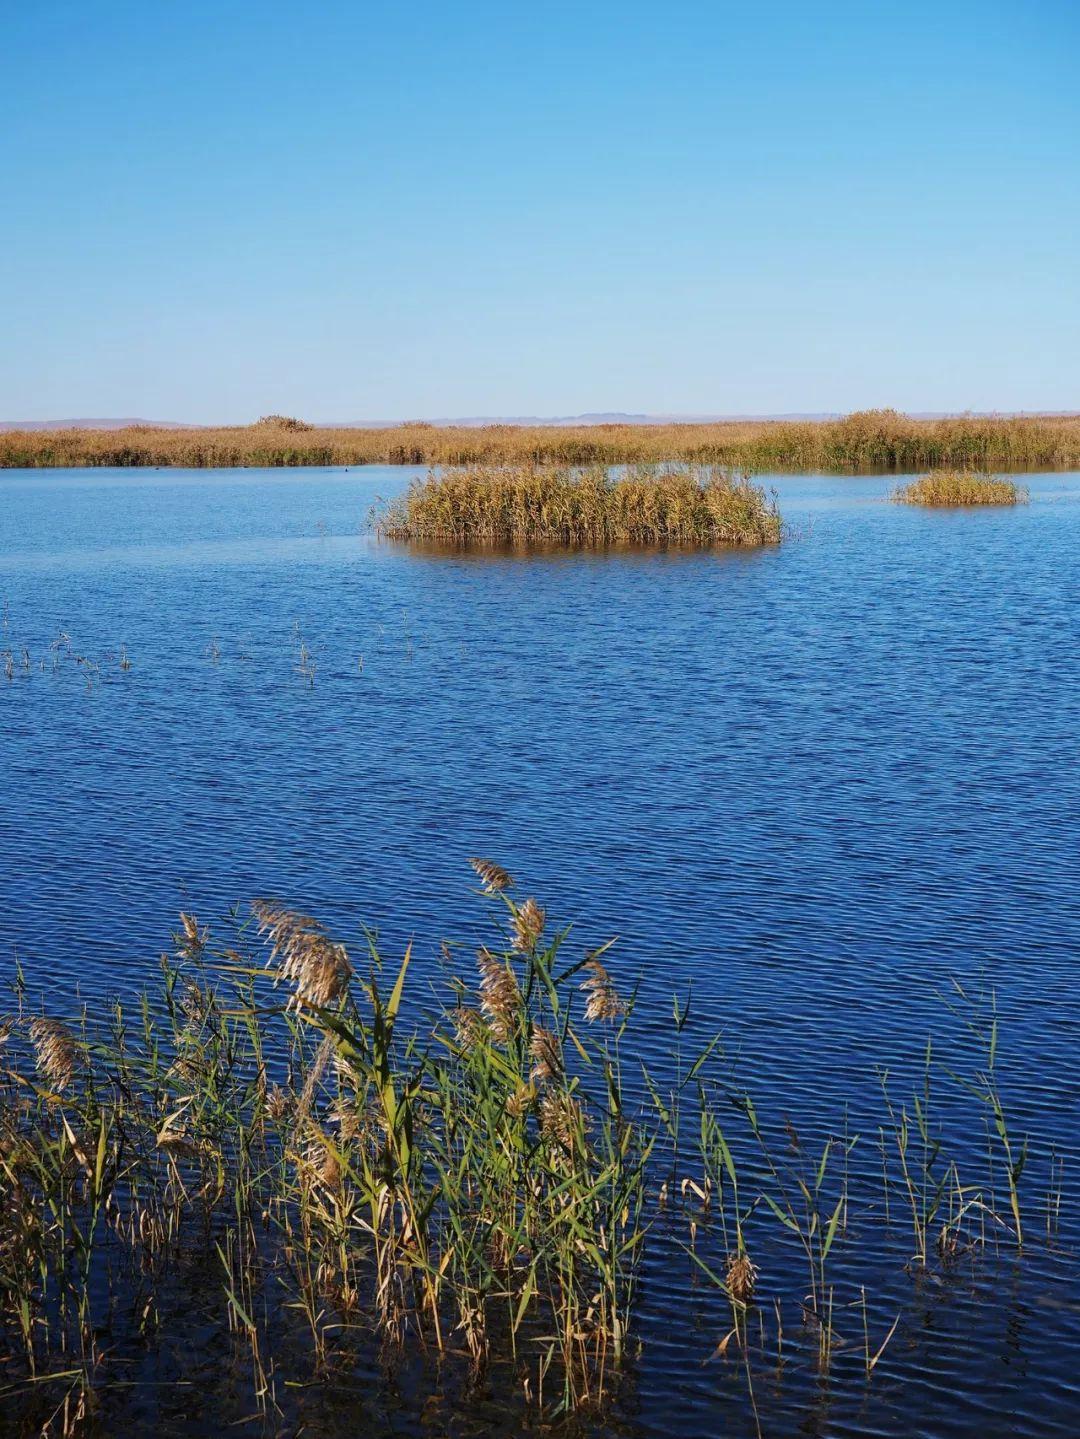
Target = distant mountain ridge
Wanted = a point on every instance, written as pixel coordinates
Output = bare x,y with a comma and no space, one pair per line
605,417
96,425
598,417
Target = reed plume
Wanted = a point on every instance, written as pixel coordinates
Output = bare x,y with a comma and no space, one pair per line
193,941
741,1278
602,1002
500,997
493,878
545,1050
278,1104
562,1119
527,925
469,1026
520,1102
318,968
55,1049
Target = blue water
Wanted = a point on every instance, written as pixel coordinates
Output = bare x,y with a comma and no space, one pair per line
812,783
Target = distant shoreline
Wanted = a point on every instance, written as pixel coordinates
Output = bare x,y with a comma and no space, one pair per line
871,440
590,418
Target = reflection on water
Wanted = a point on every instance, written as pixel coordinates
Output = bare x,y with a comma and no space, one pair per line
812,783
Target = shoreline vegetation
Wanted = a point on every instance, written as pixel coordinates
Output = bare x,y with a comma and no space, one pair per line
865,442
298,1155
698,506
960,487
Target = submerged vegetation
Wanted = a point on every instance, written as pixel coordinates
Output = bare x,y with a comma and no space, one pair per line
695,505
327,1165
869,440
961,487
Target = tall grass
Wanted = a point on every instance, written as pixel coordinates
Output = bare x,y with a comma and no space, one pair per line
325,1150
688,505
960,487
870,440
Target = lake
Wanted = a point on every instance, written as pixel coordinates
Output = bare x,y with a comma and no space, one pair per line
810,786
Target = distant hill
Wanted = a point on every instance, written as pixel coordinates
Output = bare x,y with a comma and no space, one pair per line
93,424
605,417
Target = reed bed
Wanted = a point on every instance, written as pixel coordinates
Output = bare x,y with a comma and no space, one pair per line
297,1135
866,441
649,505
961,487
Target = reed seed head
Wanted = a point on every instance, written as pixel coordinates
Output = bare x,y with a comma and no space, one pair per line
500,997
544,1048
493,877
55,1049
602,998
318,1164
469,1027
562,1119
278,1104
527,925
520,1102
318,968
193,940
741,1278
196,1004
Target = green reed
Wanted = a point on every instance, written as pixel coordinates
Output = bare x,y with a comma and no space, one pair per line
472,1177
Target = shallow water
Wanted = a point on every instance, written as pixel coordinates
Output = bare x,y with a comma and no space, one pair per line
815,783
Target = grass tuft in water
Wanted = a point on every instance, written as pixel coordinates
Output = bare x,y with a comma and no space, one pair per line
692,505
961,487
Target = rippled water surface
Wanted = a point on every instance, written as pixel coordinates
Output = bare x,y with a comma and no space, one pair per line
812,785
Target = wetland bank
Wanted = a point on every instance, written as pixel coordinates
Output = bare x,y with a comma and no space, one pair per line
863,442
790,778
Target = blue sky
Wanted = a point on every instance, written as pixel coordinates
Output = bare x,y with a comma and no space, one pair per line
348,211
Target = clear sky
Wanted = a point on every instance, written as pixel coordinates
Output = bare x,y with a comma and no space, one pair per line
213,209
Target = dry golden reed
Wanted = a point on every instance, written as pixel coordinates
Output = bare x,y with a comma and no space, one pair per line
741,1278
883,440
672,504
960,487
